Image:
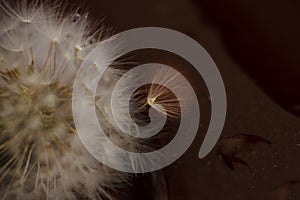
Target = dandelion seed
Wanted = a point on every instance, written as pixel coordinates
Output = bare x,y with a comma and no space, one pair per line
163,94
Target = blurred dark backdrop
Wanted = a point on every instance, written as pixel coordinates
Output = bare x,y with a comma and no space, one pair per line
256,45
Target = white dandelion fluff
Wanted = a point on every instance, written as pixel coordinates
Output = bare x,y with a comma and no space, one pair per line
41,156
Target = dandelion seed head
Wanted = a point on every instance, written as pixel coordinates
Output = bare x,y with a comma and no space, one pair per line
41,155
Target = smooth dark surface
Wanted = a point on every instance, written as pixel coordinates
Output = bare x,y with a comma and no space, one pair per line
255,44
263,37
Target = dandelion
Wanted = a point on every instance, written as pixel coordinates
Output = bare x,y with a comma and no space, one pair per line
41,156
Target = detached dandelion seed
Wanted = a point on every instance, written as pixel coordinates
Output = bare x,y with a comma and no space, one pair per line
163,94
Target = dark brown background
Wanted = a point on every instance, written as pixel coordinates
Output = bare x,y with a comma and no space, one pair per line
256,45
